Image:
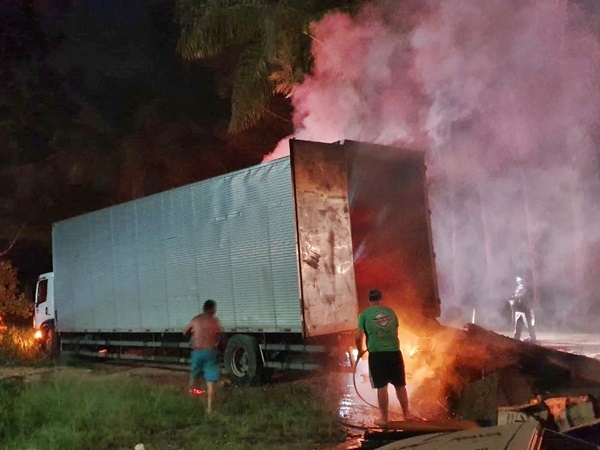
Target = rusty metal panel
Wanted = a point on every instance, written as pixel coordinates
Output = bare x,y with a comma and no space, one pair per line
324,238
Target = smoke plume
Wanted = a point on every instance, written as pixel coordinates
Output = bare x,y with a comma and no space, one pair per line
504,95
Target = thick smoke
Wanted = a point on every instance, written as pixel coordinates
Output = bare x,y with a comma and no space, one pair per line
505,97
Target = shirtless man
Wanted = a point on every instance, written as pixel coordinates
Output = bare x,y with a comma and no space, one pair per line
206,332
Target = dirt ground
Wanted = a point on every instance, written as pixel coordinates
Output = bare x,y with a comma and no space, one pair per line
167,375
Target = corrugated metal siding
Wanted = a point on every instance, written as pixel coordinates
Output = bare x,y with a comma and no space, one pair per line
125,269
213,260
180,256
150,250
102,272
150,264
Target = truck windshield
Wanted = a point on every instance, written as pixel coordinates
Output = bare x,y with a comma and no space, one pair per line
42,292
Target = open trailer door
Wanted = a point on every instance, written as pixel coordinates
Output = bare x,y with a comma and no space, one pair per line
391,229
328,287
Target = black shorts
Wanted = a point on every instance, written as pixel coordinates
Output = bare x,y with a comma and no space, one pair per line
386,367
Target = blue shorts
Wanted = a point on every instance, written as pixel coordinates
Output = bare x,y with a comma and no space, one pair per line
204,363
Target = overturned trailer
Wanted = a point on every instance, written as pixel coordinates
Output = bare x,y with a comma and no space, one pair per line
288,249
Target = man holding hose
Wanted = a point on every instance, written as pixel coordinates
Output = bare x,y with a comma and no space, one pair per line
379,324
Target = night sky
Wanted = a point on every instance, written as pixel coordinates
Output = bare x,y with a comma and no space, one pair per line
119,104
98,108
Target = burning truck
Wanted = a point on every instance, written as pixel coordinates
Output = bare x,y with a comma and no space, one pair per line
288,250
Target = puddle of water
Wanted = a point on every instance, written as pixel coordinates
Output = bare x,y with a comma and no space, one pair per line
357,404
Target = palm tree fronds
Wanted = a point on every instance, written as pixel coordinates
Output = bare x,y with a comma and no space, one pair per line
206,30
251,89
270,34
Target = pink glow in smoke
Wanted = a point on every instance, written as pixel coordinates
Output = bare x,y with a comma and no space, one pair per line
505,96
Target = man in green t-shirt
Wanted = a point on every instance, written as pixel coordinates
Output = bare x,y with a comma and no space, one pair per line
379,324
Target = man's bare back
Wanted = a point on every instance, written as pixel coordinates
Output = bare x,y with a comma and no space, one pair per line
206,330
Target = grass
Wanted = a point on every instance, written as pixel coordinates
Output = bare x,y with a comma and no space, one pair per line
86,411
289,416
18,346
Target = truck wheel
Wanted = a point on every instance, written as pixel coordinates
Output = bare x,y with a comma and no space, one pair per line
243,361
51,344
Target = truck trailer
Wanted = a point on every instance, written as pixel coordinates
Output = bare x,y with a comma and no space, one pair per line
288,249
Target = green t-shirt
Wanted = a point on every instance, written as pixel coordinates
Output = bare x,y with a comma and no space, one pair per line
380,324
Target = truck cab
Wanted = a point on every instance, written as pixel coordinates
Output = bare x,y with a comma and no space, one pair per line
43,316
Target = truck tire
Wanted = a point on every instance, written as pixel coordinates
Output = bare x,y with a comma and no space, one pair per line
51,344
243,361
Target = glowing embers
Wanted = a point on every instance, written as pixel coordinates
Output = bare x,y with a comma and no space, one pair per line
196,391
